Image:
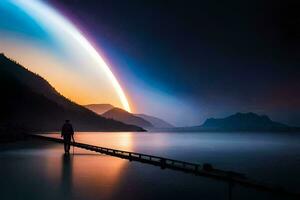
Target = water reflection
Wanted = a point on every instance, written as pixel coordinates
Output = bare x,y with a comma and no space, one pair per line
118,140
43,172
122,141
87,175
66,175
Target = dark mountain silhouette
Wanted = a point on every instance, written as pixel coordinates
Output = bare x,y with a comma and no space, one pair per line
126,117
30,102
156,122
145,121
99,108
243,121
240,122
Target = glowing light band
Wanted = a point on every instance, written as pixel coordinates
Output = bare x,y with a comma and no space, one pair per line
40,10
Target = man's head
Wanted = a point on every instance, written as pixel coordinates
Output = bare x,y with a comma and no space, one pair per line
67,121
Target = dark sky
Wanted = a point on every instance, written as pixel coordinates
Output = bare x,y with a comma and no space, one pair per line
219,57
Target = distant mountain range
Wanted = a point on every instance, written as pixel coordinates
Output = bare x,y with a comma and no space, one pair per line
236,122
240,122
142,120
28,100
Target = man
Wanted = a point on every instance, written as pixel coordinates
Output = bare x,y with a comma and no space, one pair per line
67,133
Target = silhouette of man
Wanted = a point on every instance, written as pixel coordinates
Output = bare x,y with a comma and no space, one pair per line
67,133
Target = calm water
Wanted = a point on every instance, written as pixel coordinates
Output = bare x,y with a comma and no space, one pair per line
39,170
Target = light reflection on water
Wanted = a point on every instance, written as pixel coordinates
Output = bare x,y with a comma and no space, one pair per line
118,140
40,170
87,175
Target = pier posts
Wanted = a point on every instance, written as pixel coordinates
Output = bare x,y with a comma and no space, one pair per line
163,163
230,187
130,157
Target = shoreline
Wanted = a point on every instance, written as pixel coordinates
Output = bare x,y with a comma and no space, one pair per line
28,143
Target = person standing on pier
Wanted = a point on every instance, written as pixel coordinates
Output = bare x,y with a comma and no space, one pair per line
67,133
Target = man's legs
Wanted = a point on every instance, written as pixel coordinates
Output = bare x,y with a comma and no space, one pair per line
67,141
65,146
68,146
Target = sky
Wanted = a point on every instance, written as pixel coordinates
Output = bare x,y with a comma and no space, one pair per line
30,35
185,61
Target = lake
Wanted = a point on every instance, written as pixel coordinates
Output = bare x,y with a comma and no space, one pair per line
39,170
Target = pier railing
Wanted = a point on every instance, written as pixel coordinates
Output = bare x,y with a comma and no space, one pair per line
206,169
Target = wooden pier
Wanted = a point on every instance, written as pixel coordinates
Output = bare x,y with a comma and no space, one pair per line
205,170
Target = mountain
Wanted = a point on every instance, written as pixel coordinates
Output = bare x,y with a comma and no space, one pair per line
30,102
243,121
240,122
99,108
126,117
156,122
145,121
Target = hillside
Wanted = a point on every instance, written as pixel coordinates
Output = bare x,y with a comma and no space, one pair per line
126,117
130,118
29,101
99,108
156,122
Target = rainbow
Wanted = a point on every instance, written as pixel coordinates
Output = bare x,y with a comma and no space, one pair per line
46,14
